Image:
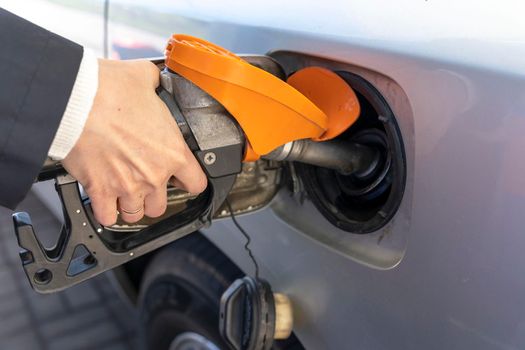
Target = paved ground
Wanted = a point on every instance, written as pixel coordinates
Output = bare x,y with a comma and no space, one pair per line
87,316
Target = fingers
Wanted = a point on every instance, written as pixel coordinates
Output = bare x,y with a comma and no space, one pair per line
190,175
155,203
131,207
104,208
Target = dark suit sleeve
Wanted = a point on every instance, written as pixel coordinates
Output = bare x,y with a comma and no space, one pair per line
37,73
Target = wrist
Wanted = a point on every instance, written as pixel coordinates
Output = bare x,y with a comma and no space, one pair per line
78,107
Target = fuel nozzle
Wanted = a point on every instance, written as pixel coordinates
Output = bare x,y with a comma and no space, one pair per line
346,157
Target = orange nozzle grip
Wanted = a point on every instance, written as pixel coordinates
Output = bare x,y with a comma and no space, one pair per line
270,111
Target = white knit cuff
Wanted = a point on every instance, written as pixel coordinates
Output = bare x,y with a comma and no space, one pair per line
78,107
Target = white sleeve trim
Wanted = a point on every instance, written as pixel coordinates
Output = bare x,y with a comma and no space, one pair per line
78,107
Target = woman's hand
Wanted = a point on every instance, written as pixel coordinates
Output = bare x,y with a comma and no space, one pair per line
131,146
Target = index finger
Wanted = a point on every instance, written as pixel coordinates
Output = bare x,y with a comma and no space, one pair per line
190,175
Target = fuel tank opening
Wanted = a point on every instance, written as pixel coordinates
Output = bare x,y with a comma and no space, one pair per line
361,202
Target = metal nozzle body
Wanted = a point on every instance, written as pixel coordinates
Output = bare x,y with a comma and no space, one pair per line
343,156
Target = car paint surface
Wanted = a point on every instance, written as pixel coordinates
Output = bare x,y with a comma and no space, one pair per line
459,284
